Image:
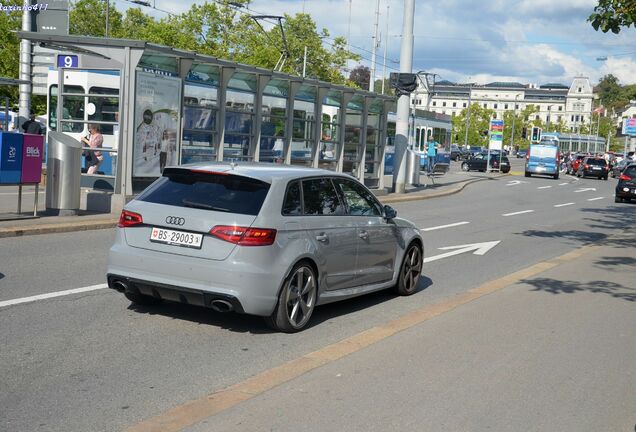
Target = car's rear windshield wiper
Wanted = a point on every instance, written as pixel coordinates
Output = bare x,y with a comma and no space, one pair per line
204,206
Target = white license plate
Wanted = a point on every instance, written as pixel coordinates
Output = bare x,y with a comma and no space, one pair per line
176,238
540,169
596,168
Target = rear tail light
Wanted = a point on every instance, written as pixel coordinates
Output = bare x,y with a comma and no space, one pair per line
624,177
244,236
128,219
587,166
528,156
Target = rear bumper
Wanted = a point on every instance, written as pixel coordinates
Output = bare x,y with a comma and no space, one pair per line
172,293
548,170
599,174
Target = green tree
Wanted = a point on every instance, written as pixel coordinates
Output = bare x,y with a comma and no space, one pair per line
88,18
479,123
521,121
612,15
9,51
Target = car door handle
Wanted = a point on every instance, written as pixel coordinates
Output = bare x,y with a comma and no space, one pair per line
322,237
363,235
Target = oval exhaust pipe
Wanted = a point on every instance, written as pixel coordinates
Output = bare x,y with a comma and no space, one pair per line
221,306
120,286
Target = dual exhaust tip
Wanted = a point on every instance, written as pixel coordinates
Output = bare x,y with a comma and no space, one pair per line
218,305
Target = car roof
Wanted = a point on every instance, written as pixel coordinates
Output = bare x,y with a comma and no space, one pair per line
266,172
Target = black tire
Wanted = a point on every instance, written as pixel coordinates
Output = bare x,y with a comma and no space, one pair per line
556,176
605,178
527,174
293,310
410,271
618,199
465,167
141,299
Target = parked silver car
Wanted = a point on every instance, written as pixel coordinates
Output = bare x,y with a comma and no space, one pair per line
261,239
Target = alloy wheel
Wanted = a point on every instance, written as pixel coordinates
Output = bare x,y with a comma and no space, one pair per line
300,297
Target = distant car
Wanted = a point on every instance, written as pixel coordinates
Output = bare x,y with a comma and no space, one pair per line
593,167
457,153
261,239
626,187
617,169
522,153
478,163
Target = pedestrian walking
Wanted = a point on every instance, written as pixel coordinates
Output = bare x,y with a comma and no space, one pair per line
94,141
431,151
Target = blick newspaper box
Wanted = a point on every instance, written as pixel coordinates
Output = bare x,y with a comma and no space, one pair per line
10,157
32,151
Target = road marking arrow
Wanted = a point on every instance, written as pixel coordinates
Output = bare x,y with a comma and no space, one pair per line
475,248
515,182
585,189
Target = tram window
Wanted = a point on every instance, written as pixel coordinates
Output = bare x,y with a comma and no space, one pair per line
73,109
105,107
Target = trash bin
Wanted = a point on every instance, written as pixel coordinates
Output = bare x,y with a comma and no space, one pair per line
412,167
63,174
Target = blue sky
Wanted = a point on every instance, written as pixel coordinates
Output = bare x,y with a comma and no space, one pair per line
530,41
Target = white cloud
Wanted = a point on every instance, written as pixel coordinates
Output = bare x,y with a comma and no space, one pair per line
622,68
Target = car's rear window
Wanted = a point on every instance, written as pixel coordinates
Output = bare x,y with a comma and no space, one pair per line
601,162
543,151
208,191
630,171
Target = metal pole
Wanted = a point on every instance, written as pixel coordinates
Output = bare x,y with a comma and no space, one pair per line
305,60
375,46
349,31
25,70
6,114
467,116
107,14
512,136
401,124
386,44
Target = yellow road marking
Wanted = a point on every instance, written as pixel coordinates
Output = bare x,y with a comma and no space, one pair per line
197,410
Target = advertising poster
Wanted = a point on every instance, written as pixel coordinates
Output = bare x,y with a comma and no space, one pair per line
496,134
156,123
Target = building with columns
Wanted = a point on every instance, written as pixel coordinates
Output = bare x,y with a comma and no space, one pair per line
556,102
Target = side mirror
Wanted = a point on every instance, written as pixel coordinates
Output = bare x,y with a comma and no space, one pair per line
389,212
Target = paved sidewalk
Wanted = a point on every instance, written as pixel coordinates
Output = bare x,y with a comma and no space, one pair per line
546,348
448,184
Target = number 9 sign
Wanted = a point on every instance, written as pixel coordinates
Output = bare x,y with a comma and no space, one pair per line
67,61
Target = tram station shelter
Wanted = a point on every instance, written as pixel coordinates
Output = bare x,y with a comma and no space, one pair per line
159,106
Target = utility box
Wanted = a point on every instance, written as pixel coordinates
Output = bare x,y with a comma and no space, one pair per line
63,174
412,167
10,157
32,152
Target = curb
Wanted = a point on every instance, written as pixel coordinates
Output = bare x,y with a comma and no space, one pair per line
56,228
414,197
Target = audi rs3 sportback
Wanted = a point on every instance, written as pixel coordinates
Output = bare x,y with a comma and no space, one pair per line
261,239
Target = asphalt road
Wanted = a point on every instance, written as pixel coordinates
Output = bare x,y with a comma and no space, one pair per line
90,361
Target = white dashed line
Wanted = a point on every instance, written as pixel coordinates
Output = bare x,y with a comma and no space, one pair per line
444,226
596,199
51,295
563,184
563,205
518,213
544,187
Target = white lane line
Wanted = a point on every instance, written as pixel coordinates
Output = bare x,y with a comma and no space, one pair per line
544,187
566,204
444,226
563,184
595,199
518,213
52,295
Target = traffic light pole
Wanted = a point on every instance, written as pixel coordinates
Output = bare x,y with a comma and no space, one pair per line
402,122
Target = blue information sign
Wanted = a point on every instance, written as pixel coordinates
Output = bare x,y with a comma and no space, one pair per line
67,61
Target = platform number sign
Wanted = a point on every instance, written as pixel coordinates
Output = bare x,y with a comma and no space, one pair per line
67,61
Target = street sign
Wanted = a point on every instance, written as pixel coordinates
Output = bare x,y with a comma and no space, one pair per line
629,126
67,61
496,134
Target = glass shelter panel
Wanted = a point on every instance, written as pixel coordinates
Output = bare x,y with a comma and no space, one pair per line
353,130
272,129
302,133
330,137
199,122
239,119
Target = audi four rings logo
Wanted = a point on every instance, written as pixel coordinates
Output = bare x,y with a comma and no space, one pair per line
173,220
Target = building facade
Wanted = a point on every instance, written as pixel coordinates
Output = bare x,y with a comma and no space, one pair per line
556,102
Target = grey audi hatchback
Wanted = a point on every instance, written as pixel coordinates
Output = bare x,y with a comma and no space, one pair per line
261,239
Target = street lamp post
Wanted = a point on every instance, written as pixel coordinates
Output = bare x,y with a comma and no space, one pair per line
514,117
468,115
